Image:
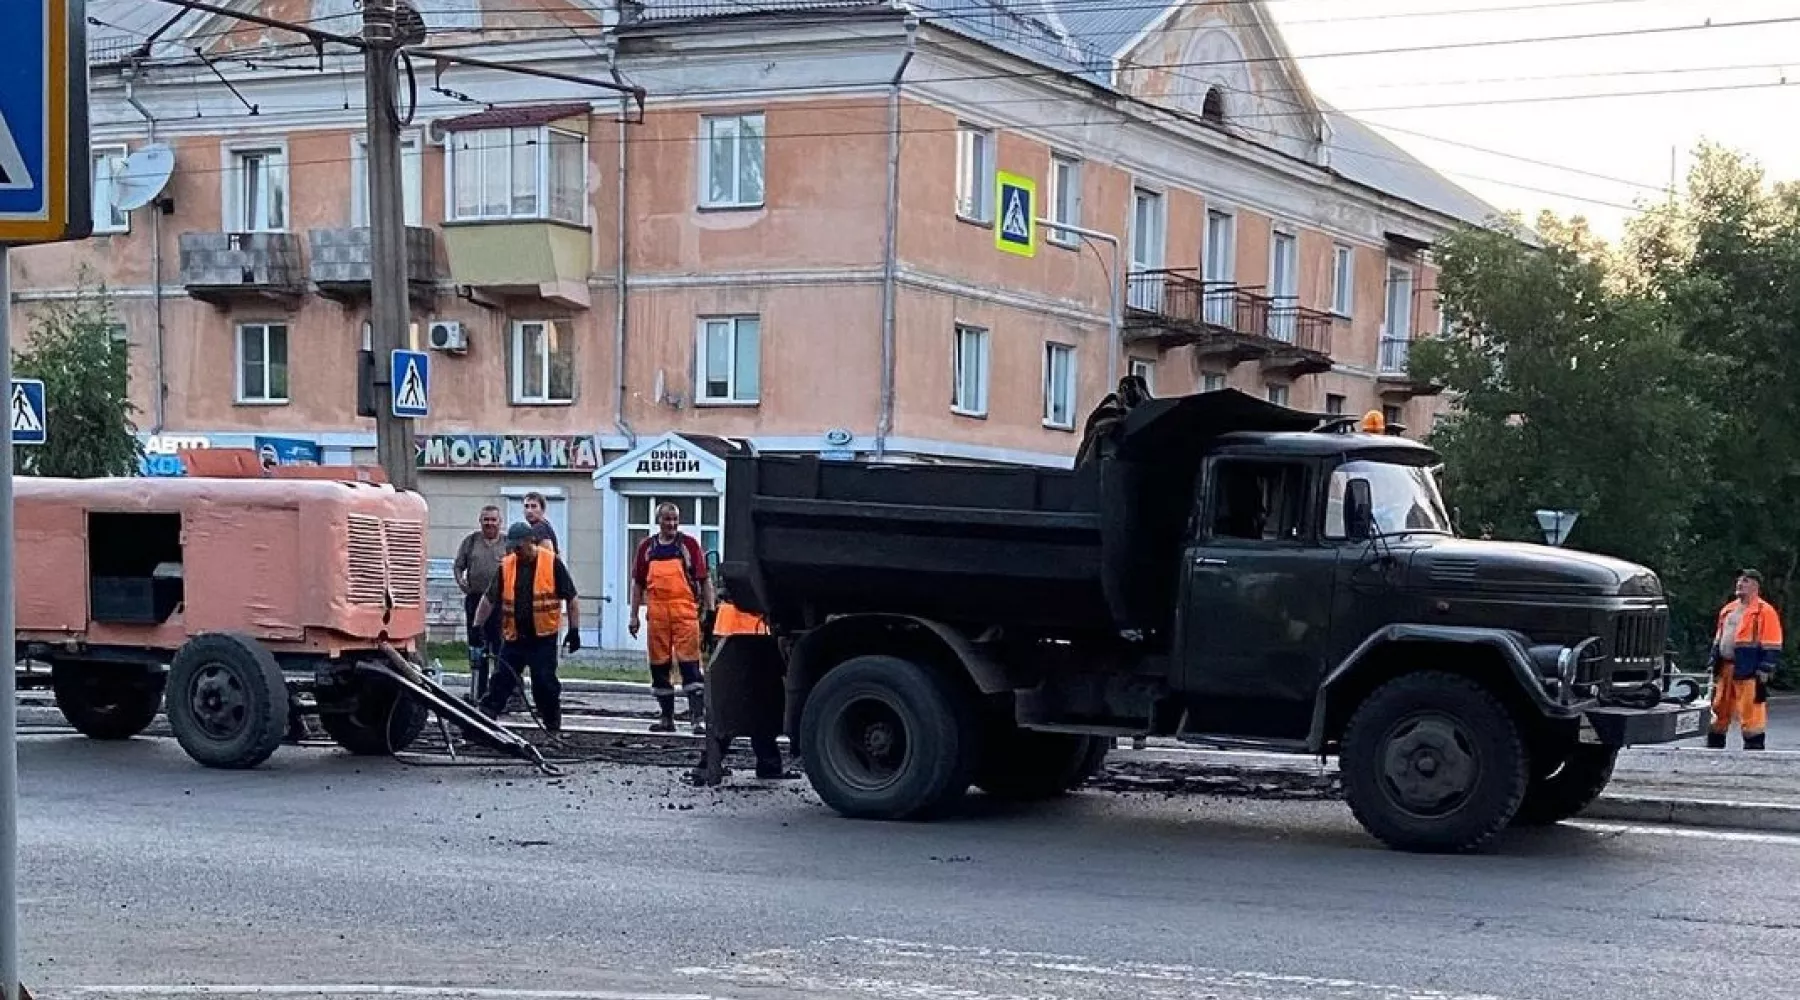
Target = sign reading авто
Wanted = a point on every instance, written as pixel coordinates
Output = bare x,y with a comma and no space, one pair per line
504,452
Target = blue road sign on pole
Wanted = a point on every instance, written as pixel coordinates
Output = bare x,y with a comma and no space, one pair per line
28,411
410,377
45,182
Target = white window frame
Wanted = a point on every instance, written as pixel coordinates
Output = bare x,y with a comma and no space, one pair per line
1219,305
108,220
1070,380
1389,328
983,339
1065,180
1146,368
266,398
975,173
1446,325
1277,393
233,211
515,389
412,179
1343,280
1284,301
730,398
541,203
736,126
1148,252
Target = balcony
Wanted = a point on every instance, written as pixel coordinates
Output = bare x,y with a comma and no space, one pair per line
341,263
540,260
1226,322
224,267
1394,376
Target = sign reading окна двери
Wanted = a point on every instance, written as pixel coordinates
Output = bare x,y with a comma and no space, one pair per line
503,452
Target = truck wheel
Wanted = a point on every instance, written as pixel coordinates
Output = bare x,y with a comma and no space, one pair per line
886,738
1093,762
227,700
1570,788
1023,765
1433,762
383,720
107,701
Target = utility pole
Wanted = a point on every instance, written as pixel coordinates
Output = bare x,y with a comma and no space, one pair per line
389,309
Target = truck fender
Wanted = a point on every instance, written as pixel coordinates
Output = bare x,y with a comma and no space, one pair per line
1512,648
906,636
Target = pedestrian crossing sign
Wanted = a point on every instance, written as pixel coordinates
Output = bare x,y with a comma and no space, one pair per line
1015,224
28,412
410,377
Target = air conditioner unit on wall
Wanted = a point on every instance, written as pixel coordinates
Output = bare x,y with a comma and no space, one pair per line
449,336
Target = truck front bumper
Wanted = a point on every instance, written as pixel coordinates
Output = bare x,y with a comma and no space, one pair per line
1665,723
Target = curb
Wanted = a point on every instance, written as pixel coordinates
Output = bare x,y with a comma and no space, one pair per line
458,681
1709,813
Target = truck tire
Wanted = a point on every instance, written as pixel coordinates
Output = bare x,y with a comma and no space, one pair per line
383,720
107,701
1570,788
227,700
1433,762
886,738
1094,761
1023,765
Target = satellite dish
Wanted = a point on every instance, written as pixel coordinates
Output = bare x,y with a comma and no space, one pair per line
142,176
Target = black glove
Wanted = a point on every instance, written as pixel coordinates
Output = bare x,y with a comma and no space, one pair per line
572,642
1762,690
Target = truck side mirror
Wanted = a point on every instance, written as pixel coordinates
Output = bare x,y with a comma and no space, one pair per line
1359,511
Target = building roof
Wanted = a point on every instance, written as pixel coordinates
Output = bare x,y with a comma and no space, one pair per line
524,116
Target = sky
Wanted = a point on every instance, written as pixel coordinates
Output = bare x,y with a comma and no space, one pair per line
1734,78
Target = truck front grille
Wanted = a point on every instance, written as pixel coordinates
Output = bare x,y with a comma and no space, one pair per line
386,560
1639,640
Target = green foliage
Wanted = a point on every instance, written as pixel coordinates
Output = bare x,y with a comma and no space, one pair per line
85,370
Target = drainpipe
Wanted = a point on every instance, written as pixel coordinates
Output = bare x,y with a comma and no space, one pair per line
620,297
156,272
890,271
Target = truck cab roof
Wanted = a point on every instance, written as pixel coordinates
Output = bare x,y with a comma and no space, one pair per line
1320,444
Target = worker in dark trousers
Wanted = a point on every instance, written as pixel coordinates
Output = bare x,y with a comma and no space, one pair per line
477,562
530,592
731,620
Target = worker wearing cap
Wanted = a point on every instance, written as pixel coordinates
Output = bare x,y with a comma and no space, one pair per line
530,590
669,578
1746,651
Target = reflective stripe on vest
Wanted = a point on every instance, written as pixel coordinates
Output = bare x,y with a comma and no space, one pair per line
546,609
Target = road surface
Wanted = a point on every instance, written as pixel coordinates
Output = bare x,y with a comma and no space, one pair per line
323,875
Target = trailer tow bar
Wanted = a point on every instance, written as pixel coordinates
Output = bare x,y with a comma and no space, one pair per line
476,727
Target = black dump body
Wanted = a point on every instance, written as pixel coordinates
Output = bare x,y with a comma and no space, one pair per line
1093,549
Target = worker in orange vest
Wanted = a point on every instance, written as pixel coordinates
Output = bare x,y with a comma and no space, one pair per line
732,620
1746,651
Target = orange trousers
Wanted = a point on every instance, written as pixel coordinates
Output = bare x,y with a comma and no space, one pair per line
1734,698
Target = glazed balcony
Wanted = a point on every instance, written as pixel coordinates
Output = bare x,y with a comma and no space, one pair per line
222,268
1226,322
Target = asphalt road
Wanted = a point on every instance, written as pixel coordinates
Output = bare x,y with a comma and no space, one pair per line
322,875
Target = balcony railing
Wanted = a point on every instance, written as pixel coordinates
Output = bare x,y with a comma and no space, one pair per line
1395,353
1225,319
217,267
341,261
1395,370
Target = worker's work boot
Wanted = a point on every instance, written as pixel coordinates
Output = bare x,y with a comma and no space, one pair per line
1715,741
1757,741
666,724
697,711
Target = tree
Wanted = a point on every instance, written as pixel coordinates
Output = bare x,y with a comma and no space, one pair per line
86,373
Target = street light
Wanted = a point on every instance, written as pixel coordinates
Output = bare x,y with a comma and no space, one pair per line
1093,237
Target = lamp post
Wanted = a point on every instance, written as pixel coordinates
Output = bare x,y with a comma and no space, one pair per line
1114,318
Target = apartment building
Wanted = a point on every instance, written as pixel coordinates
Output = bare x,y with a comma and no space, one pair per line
792,241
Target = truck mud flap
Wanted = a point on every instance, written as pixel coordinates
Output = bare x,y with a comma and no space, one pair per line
476,728
745,695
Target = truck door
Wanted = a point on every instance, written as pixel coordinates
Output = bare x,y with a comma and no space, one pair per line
1256,599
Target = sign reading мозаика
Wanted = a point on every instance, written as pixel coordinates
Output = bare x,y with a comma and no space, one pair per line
505,452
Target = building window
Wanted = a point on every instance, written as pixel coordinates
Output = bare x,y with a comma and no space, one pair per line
1145,369
412,179
108,217
518,173
1343,280
1145,291
1393,416
1059,386
1065,198
730,355
731,161
262,363
1334,404
969,390
1446,323
1212,107
1218,267
1212,382
543,362
257,191
1278,394
1284,285
1396,323
975,174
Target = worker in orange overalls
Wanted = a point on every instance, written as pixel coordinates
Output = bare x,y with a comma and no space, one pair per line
669,577
1746,651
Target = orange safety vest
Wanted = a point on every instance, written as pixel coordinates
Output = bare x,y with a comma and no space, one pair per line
546,607
1757,644
731,621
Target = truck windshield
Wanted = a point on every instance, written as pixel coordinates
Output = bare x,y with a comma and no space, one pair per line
1406,499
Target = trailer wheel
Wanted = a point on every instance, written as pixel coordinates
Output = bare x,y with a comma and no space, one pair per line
1024,765
886,738
227,700
1433,762
1573,786
383,719
107,701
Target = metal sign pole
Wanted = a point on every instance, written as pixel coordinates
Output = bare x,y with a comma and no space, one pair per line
9,712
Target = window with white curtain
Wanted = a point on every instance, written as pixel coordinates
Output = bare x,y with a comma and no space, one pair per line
731,161
543,362
412,180
969,385
256,191
975,173
109,162
1059,386
262,369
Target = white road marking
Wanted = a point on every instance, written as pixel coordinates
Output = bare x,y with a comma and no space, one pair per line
1689,832
358,990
